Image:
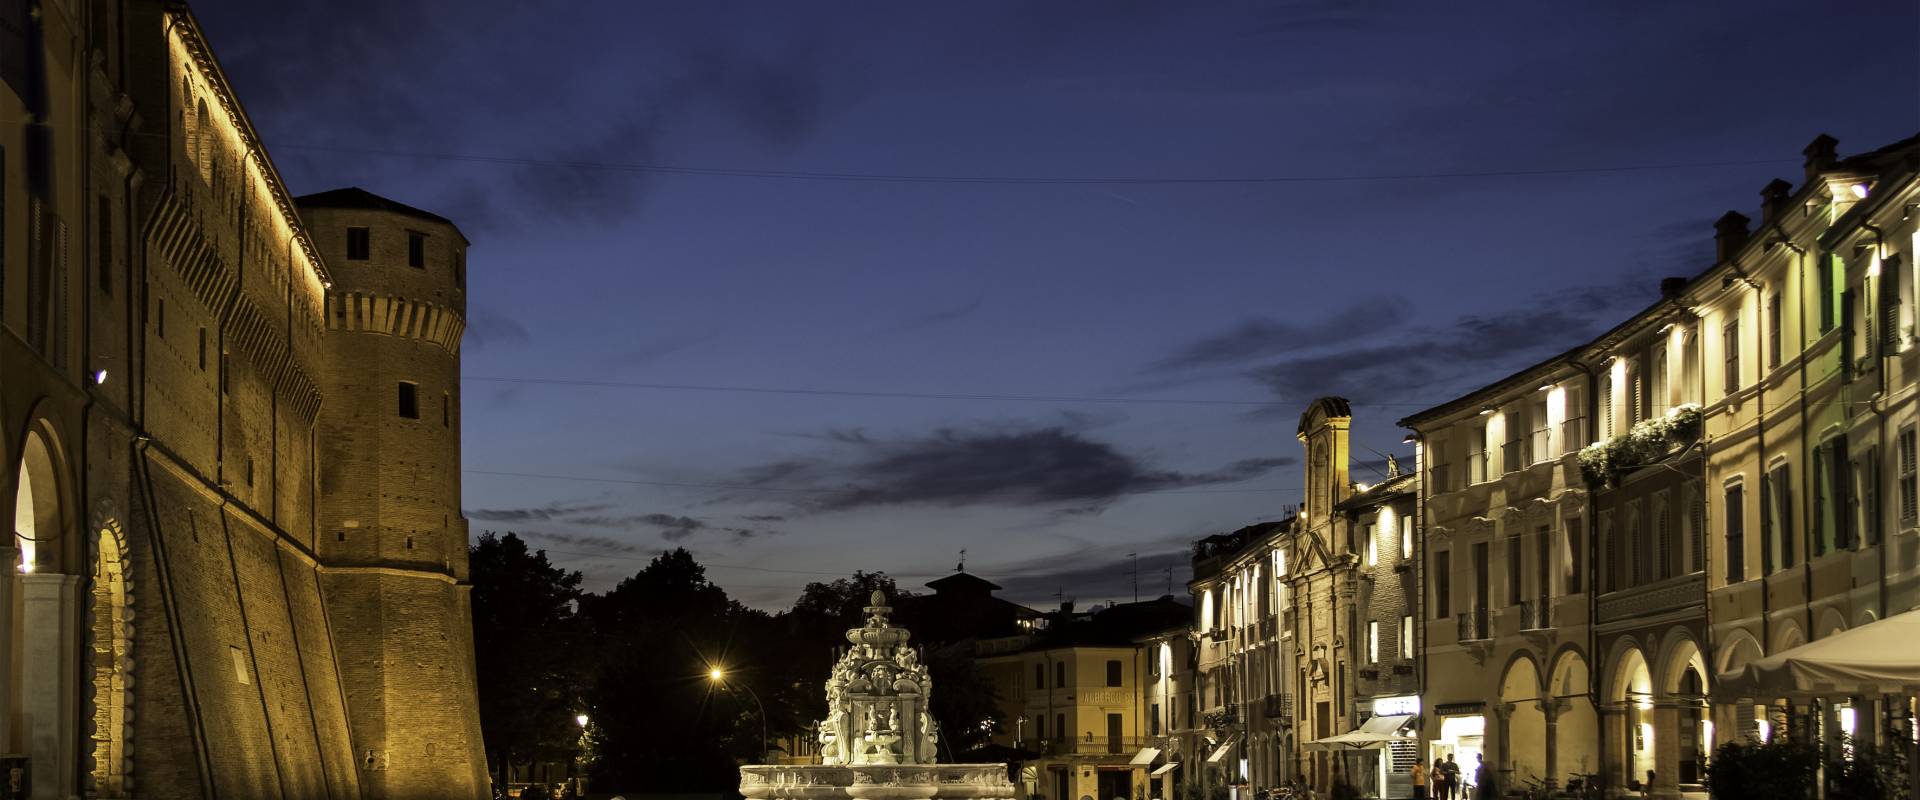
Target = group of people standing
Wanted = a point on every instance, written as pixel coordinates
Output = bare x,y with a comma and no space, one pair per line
1442,782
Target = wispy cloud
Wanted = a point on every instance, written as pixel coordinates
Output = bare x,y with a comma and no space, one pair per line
1261,337
1015,465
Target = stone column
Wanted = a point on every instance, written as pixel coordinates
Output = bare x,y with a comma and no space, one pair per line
1503,741
48,670
7,678
1666,750
1616,744
1550,709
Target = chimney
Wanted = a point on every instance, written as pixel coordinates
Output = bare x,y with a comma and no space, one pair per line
1672,287
1729,235
1773,199
1820,153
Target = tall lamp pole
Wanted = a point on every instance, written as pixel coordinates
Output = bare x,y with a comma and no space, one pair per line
719,677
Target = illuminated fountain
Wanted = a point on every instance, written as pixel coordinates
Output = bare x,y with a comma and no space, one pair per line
877,742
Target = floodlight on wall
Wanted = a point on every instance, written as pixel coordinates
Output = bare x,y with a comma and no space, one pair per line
99,377
1860,190
1485,410
1410,438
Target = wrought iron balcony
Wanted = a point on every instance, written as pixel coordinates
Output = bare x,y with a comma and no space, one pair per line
1573,435
1536,614
1277,706
1473,626
1540,445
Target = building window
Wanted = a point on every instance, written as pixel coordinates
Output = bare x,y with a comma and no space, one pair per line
409,400
1773,331
359,243
1516,567
1660,398
1406,638
1780,479
249,472
104,220
160,316
1831,503
1060,675
1576,556
1373,641
1113,673
446,409
1406,536
416,250
1610,544
459,267
1830,291
1866,502
1040,681
1736,510
1373,546
1909,489
1153,720
203,348
1732,345
1442,584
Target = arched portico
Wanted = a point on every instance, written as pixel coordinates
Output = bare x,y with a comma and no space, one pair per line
1520,722
1682,721
1573,724
39,595
1630,718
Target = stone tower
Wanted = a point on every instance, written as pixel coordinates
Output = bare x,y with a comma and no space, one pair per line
389,528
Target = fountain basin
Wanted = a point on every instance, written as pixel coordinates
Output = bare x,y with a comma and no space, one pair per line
876,782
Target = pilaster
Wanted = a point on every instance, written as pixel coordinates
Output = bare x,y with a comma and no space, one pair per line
47,677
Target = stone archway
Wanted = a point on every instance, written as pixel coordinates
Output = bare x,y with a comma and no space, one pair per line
36,508
1523,731
38,599
110,630
1682,699
1630,694
1575,721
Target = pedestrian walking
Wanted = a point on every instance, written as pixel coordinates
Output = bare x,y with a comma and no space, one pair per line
1453,778
1419,781
1483,788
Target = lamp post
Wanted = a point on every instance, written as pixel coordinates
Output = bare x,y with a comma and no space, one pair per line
719,677
578,751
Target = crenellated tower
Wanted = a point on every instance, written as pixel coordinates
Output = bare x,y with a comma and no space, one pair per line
390,535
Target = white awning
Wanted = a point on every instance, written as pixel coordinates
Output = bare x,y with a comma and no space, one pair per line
1226,746
1165,768
1875,658
1373,734
1145,757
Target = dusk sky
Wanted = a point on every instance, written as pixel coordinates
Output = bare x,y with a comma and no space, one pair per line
815,287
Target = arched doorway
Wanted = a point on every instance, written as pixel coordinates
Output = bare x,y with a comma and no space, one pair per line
38,603
1522,750
1631,693
112,662
36,508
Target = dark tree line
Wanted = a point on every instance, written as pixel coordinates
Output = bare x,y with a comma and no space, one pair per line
638,661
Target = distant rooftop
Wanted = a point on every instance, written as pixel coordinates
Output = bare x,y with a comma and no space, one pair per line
962,581
354,197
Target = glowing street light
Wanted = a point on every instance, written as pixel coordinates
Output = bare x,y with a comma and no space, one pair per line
718,675
581,718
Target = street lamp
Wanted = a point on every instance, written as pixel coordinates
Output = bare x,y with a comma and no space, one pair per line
718,676
579,751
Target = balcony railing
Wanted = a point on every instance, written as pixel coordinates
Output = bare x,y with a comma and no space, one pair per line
1573,435
1277,706
1536,614
1477,467
1540,445
1473,625
1513,456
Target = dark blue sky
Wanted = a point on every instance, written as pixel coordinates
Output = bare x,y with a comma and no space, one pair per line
531,131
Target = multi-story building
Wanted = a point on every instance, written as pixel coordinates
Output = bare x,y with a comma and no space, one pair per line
1809,420
1077,693
1244,658
1379,521
1173,710
237,565
1738,486
1503,556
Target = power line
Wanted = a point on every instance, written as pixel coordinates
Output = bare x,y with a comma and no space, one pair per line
1029,398
747,487
1011,180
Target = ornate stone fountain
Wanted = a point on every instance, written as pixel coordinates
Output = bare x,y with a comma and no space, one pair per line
877,742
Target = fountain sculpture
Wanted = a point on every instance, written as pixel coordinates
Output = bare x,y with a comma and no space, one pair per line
877,742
